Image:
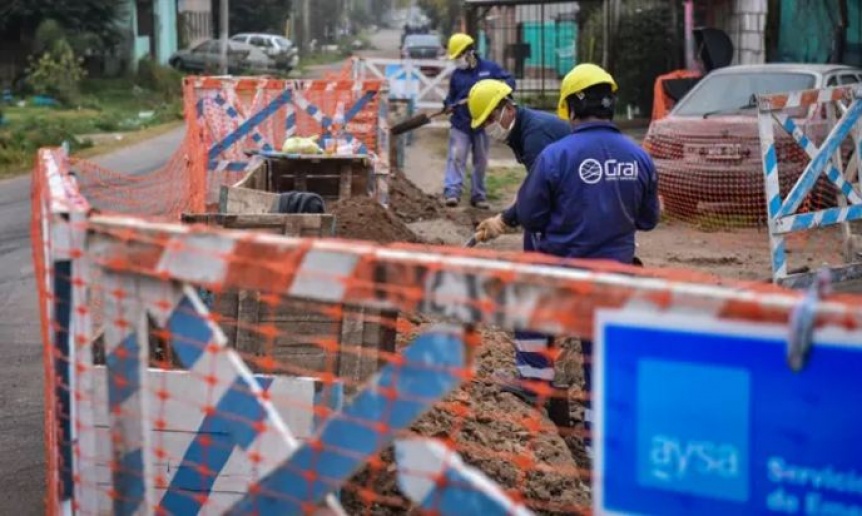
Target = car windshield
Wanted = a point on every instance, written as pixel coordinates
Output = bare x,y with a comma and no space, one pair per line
731,92
422,40
284,42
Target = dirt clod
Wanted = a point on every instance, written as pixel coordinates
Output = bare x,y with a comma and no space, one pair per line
511,442
410,203
363,218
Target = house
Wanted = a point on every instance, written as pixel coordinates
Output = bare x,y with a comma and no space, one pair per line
158,28
744,21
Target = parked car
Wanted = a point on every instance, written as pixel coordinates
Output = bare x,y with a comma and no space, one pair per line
206,56
279,48
424,46
707,150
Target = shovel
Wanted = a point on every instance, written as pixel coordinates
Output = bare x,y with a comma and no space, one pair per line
417,121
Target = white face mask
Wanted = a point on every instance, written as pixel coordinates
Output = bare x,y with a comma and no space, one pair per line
498,132
462,63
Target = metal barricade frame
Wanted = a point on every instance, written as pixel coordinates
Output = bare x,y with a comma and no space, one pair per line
825,160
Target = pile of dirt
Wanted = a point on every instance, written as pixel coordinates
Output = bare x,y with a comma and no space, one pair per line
410,203
363,218
511,442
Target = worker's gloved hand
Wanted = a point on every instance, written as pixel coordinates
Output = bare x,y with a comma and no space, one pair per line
490,228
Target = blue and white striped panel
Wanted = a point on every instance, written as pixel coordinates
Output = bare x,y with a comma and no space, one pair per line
249,125
290,120
431,368
253,421
214,471
326,122
832,171
422,463
773,192
126,360
817,219
819,161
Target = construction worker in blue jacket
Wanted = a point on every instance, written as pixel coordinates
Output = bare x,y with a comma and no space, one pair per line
527,132
463,138
589,193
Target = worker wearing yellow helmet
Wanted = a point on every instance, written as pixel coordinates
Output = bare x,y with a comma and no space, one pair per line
527,132
463,138
589,193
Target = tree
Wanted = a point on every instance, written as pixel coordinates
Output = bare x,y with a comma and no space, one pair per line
95,18
259,16
444,14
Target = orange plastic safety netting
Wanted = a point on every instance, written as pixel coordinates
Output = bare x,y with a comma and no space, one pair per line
233,118
713,180
286,374
194,370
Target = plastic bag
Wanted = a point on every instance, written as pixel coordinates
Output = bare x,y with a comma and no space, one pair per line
298,145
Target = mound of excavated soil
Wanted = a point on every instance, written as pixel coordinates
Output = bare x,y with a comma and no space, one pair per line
410,203
511,442
363,218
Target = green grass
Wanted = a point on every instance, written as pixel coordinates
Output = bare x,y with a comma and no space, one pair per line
104,106
502,183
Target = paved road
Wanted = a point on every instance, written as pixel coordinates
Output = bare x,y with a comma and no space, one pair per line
22,453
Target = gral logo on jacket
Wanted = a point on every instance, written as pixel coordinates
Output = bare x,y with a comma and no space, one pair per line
592,170
693,441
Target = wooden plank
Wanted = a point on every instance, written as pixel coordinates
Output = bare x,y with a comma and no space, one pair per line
217,503
182,410
255,179
247,316
234,199
294,399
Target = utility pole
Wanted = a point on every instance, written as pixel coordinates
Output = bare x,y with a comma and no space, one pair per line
225,27
606,21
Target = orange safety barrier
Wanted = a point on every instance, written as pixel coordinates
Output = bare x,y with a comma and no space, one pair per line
195,370
232,116
161,403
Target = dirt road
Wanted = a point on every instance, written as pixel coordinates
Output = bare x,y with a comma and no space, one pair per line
22,454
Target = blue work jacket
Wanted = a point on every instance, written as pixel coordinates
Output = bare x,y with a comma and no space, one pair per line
589,193
532,132
461,83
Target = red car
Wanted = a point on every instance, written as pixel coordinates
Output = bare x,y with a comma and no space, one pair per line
707,150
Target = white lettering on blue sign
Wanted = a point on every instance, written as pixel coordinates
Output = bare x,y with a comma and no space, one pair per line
675,459
697,415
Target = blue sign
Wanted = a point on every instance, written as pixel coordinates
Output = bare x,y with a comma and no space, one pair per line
699,416
402,85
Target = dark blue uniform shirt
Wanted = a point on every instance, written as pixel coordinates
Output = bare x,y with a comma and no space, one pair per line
589,193
532,132
461,83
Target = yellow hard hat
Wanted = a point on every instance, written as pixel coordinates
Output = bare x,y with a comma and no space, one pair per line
458,43
580,78
484,98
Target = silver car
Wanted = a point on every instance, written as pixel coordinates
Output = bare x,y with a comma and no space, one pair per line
279,48
206,56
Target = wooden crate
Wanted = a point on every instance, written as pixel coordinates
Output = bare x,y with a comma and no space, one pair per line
332,177
361,333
